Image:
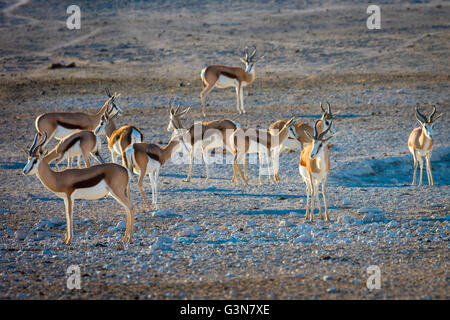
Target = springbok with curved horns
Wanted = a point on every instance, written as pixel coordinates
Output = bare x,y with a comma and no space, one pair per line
88,183
221,76
81,143
420,143
262,142
118,139
207,135
301,128
59,125
314,167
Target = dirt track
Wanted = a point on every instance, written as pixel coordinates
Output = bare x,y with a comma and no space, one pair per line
216,239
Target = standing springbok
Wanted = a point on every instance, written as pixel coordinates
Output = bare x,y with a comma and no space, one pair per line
300,127
59,125
221,76
142,158
118,139
420,143
88,183
81,143
207,135
314,167
246,141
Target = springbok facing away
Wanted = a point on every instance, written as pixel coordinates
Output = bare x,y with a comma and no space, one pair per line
420,143
59,125
79,143
314,167
88,183
118,139
294,143
246,141
221,76
142,158
207,135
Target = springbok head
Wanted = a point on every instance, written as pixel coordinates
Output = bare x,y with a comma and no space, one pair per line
427,123
175,114
318,140
327,118
113,101
34,156
106,117
249,59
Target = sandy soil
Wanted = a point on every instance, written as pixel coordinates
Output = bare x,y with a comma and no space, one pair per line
216,239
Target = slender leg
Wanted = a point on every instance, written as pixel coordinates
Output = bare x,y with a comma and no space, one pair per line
203,95
79,161
311,185
261,157
415,167
68,201
155,181
421,169
275,160
140,183
188,178
324,195
205,160
69,162
245,166
113,156
87,161
318,200
152,183
124,200
241,97
307,199
429,168
238,99
237,161
269,165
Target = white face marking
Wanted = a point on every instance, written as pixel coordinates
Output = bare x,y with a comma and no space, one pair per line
100,128
31,167
170,127
317,146
428,130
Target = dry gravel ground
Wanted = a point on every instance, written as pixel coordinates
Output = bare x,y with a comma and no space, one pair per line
215,239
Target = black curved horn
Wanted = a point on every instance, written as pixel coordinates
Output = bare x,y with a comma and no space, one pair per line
419,116
33,145
430,118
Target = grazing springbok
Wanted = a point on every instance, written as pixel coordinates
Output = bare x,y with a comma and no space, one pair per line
81,143
420,143
246,141
142,158
314,167
118,139
88,183
207,135
59,125
221,76
300,127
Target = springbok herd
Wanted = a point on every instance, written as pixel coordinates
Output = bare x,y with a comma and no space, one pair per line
79,136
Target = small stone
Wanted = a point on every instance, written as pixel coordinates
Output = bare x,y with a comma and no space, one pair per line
332,290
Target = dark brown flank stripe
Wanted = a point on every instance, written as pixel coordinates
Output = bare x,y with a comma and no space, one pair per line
89,182
228,74
69,125
153,156
71,143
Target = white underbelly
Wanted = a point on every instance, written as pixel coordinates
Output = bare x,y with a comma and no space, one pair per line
256,147
152,165
74,151
61,132
116,147
225,82
96,192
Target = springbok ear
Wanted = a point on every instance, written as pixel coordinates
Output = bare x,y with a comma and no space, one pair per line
243,61
434,120
290,122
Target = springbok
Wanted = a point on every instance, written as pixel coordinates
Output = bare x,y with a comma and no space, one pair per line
88,183
246,141
221,76
314,167
142,158
420,143
59,125
79,143
300,127
207,135
118,139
